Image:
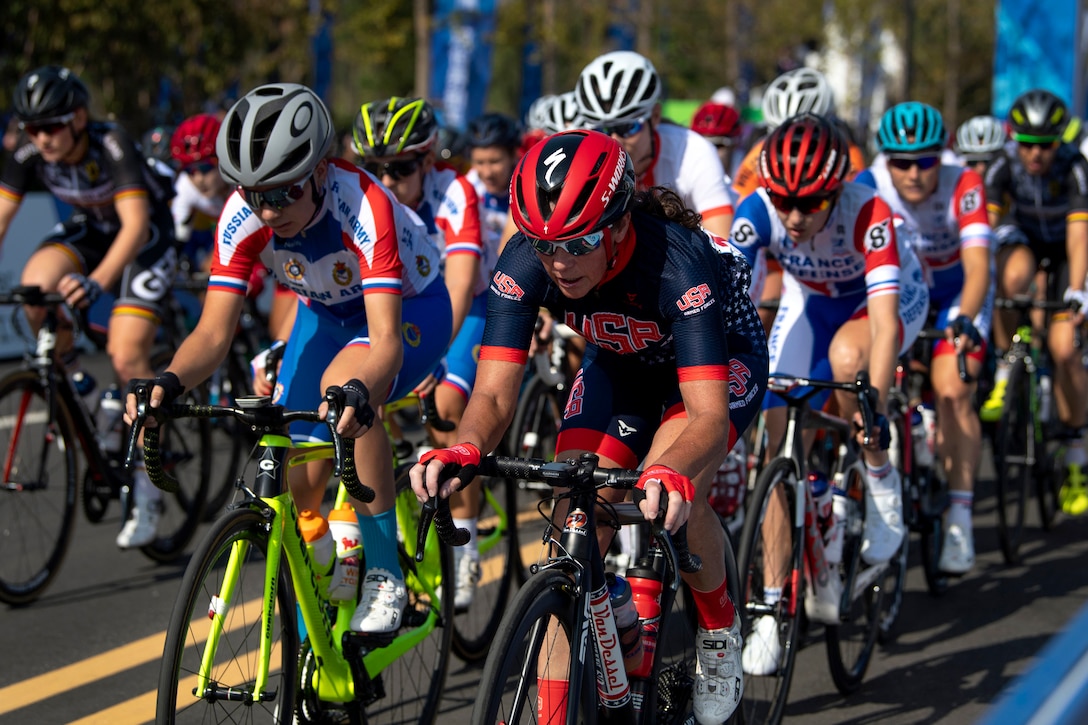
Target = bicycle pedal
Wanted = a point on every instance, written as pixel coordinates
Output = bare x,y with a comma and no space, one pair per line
367,641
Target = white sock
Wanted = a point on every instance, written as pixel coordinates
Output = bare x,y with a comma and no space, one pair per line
472,547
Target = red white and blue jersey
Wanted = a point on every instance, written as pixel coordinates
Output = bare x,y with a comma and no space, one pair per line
952,219
855,255
450,210
688,164
362,241
494,210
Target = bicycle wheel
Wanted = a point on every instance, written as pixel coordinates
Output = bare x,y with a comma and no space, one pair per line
1014,461
1050,472
496,531
933,502
535,427
186,452
235,655
850,644
38,493
533,643
896,578
772,599
412,684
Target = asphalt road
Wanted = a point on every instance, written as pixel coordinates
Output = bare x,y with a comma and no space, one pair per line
88,650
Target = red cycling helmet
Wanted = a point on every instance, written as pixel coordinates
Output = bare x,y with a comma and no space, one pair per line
717,120
571,184
194,140
805,156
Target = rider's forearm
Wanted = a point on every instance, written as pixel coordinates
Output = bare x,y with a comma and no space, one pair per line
461,273
1076,244
976,280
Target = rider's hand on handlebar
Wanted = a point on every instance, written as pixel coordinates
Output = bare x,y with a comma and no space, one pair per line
678,488
358,416
78,290
1078,300
962,330
880,436
462,461
262,381
165,389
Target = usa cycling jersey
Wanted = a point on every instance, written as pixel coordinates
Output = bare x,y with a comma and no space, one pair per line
952,219
688,164
854,255
1040,205
360,242
494,210
450,210
111,170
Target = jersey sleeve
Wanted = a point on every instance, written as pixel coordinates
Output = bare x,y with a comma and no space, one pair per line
1078,190
459,219
375,218
127,166
18,171
705,180
692,300
240,237
751,230
969,203
517,290
746,180
874,236
998,185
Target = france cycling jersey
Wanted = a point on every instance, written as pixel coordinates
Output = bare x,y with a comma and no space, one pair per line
688,164
361,241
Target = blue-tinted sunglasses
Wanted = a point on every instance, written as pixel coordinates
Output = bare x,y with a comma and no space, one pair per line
574,247
623,130
924,163
279,198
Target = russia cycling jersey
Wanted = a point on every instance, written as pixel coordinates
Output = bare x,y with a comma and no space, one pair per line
110,170
670,310
1040,205
361,241
494,210
450,210
688,164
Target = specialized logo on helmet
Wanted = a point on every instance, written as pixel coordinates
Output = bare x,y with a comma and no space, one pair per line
294,270
341,274
411,334
617,174
304,114
552,162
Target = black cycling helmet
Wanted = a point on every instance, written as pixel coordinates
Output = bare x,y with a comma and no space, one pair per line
49,92
394,126
1038,115
494,129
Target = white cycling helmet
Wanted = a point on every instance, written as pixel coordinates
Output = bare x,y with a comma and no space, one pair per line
980,137
563,114
536,118
617,87
273,136
803,90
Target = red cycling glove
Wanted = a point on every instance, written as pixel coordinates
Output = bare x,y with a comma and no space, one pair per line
670,480
461,460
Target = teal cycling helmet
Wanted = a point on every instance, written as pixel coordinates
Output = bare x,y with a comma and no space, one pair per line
911,127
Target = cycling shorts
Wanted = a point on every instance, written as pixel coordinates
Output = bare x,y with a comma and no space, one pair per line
945,296
464,354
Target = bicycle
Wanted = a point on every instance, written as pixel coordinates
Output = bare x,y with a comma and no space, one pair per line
793,559
44,424
1028,439
233,644
535,427
565,601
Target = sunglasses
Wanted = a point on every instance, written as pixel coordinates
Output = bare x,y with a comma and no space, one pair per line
279,198
50,127
903,163
623,130
574,247
807,205
200,167
395,170
1044,145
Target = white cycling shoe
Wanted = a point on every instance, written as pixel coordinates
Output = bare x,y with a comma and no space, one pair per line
884,527
957,551
763,649
719,680
143,521
466,568
381,603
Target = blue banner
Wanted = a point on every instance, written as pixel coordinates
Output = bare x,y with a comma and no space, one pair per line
1036,48
461,58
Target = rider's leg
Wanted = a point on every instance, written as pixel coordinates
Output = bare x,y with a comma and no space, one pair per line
1070,388
1015,271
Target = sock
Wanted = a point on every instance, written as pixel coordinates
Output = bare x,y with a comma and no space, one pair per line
470,526
1074,453
959,513
880,478
772,595
551,701
1001,370
714,608
380,541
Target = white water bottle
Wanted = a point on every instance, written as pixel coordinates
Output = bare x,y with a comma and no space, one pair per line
108,419
344,525
923,454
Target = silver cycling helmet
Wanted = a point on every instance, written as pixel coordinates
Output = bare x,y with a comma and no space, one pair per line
980,137
536,118
803,90
617,87
563,114
273,136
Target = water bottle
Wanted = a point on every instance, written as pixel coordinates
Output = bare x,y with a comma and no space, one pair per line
318,537
85,386
821,497
929,423
730,482
108,419
344,525
833,538
645,583
923,454
1045,395
627,623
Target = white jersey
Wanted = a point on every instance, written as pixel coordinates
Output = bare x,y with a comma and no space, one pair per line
191,209
494,211
688,164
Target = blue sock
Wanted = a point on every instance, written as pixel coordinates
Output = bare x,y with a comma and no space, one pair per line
380,541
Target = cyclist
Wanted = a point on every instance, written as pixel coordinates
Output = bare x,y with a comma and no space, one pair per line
943,208
200,191
664,315
395,138
852,298
372,313
980,140
1043,187
720,125
619,93
155,144
120,236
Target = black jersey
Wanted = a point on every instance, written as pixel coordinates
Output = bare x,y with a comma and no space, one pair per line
113,168
674,300
1040,205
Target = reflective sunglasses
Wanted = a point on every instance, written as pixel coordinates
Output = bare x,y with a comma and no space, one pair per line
623,130
574,247
200,167
807,205
50,127
279,198
1045,145
395,170
903,163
